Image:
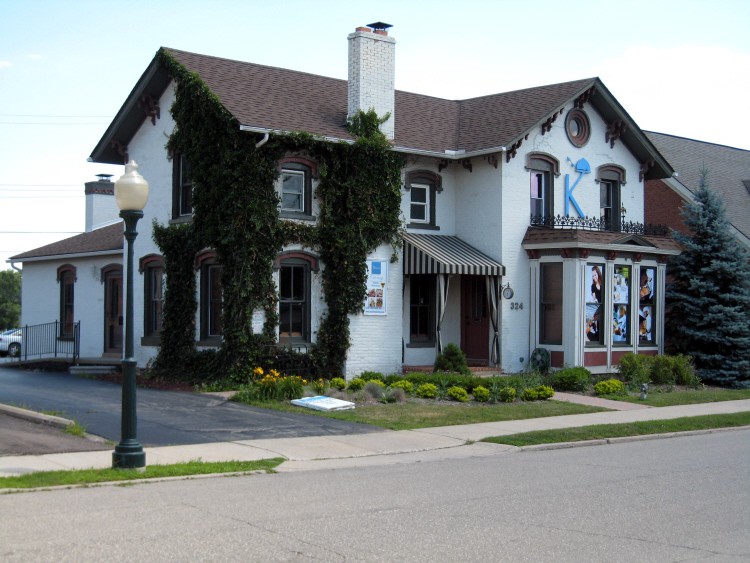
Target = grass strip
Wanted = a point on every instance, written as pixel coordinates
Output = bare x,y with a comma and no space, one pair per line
660,396
413,415
643,428
91,476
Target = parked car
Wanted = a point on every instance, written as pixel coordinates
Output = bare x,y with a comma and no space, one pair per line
10,342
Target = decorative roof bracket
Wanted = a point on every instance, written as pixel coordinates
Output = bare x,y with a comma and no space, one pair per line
615,129
121,149
150,107
547,124
644,169
584,98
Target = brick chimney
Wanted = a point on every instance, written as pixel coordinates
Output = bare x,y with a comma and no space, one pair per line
100,202
372,70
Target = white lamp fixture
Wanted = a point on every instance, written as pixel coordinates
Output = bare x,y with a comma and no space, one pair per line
131,189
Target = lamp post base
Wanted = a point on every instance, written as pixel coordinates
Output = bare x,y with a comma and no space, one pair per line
129,457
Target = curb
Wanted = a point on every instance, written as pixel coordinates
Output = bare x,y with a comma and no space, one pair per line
36,416
624,439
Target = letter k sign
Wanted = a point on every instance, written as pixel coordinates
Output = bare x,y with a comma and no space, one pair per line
582,167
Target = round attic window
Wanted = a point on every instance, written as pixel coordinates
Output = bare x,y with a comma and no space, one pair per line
578,127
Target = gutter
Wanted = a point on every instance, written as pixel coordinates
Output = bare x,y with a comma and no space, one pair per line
460,154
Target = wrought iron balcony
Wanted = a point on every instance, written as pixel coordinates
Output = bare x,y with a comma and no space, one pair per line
598,224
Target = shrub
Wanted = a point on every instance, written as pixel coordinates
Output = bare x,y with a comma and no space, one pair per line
507,394
529,394
378,382
609,387
319,386
371,376
570,379
635,369
452,359
544,392
403,384
459,394
338,383
481,394
684,371
662,370
356,384
392,395
291,387
427,391
374,390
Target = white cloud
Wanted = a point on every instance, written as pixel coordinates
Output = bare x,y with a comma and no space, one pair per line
34,56
5,64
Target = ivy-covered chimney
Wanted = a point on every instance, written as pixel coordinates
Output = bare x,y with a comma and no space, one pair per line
372,70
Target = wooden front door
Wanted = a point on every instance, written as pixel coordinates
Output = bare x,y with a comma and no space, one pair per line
113,317
475,325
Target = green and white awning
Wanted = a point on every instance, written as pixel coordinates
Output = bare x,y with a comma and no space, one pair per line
445,254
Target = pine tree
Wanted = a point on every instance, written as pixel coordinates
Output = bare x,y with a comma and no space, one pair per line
708,298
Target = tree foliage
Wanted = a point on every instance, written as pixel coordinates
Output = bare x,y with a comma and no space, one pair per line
708,297
10,299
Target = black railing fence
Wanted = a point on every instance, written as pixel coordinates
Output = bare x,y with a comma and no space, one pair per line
50,340
598,224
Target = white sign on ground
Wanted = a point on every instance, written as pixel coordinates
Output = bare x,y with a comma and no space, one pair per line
322,403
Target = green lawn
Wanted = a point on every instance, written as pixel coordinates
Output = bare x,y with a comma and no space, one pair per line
90,476
658,397
411,414
604,431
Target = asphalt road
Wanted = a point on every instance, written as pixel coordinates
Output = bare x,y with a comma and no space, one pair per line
677,499
164,417
20,436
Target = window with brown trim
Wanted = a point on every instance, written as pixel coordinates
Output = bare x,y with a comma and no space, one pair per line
182,188
66,276
542,170
423,187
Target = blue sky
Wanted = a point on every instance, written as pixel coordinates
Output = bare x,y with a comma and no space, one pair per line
66,66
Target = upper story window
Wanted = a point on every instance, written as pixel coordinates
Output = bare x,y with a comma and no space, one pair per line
610,178
295,187
542,170
182,188
423,187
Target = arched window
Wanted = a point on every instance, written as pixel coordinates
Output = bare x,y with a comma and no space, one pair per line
66,277
295,273
422,185
295,186
611,178
152,268
211,321
542,170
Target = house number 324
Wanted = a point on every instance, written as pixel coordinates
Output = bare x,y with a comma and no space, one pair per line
516,306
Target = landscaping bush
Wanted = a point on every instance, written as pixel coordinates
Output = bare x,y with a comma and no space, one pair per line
507,394
684,371
452,359
393,395
338,383
290,387
405,385
459,394
427,391
481,394
662,370
319,386
576,379
544,392
356,384
371,376
609,387
529,394
635,369
375,389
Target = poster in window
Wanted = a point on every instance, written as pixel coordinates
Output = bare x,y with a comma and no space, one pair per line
593,327
646,305
377,291
621,304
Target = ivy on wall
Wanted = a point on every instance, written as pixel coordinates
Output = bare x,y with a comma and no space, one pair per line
235,213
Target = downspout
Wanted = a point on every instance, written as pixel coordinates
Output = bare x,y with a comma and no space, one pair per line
13,265
263,141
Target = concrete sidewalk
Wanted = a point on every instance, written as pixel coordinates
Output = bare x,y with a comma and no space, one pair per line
324,452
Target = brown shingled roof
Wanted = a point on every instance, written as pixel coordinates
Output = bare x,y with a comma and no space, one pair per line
275,99
99,240
541,237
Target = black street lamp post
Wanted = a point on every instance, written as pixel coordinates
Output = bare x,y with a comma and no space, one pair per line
131,194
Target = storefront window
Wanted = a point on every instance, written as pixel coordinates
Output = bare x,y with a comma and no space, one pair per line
646,306
621,305
594,329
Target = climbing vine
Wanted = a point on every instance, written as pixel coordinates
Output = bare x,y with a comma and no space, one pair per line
235,213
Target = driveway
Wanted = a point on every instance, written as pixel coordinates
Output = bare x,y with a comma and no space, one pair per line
164,417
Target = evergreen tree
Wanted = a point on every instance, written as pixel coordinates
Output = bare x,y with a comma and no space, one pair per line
10,299
708,298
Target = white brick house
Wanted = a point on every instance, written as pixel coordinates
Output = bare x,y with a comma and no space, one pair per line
512,204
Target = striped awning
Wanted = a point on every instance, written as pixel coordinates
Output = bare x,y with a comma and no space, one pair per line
443,254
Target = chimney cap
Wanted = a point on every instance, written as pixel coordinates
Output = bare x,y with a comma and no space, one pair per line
104,177
379,26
